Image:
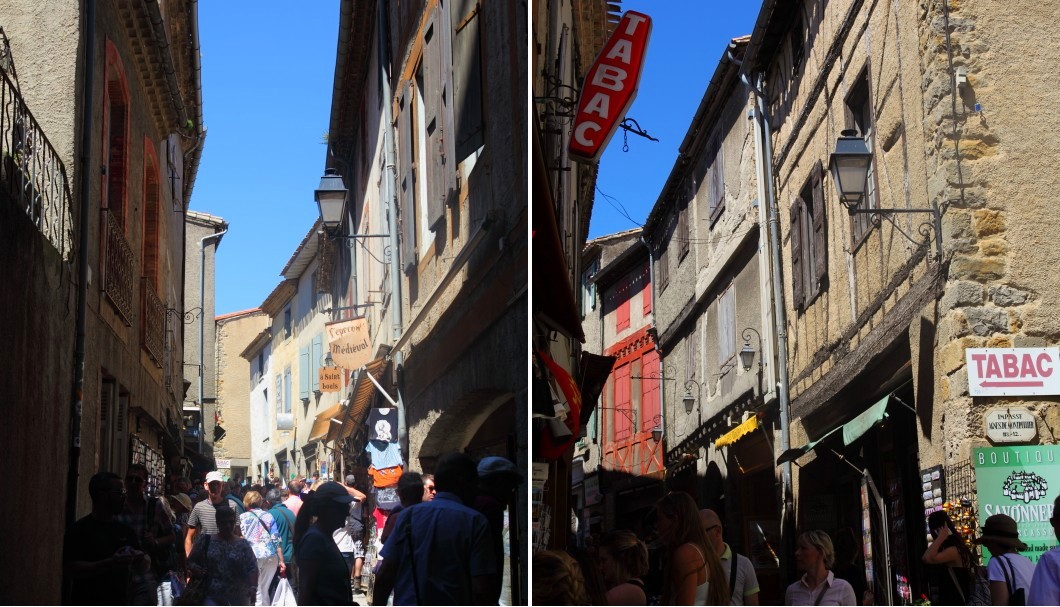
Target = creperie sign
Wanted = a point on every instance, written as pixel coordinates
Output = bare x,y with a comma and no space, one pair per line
610,87
1013,371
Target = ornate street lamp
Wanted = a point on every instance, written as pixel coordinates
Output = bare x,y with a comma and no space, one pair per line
331,199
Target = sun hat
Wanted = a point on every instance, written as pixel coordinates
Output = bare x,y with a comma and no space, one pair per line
496,466
184,500
1001,528
214,476
334,492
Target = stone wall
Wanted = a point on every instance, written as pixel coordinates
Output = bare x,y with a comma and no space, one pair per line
234,334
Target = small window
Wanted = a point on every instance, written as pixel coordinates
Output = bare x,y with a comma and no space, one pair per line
796,39
726,325
287,322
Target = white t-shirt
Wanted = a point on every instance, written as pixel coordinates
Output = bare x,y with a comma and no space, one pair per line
1022,567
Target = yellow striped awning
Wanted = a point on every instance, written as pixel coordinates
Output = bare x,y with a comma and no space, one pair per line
738,432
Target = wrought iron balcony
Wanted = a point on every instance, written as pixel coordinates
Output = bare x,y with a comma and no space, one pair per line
117,267
152,321
31,172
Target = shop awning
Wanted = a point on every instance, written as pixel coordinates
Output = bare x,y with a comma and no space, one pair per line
323,421
360,401
740,431
850,431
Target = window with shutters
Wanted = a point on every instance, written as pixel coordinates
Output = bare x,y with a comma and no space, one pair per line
287,322
422,147
682,231
316,358
859,118
467,77
663,269
279,394
650,387
726,326
437,68
116,136
151,218
809,241
715,179
287,387
305,367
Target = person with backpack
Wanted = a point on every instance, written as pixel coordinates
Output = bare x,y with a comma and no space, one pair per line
284,519
1010,573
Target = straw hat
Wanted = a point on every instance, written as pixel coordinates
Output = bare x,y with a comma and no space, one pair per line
184,500
1002,529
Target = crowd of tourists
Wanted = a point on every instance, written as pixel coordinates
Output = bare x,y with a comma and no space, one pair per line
691,564
300,542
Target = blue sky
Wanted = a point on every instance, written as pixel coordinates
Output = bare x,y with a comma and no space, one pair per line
687,41
267,73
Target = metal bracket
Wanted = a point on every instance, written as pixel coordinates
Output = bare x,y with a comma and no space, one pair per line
924,228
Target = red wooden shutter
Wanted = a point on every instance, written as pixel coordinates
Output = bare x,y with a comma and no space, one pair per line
649,387
623,403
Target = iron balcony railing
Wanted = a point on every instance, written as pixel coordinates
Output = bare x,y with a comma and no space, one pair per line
117,267
31,171
152,321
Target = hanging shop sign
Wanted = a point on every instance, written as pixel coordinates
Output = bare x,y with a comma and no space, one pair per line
1013,371
1011,425
350,343
554,443
610,86
330,379
1020,482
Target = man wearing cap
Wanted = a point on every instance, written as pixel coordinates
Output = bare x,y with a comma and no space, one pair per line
1045,587
1009,572
204,515
439,552
743,583
497,478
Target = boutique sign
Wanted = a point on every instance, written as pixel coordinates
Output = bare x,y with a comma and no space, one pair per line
1021,482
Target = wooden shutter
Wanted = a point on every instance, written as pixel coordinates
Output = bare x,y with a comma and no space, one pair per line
682,231
820,232
797,294
649,388
646,293
717,180
407,177
315,357
287,404
467,77
622,311
664,269
437,77
623,403
303,373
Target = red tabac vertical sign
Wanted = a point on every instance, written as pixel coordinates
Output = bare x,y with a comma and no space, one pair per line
610,87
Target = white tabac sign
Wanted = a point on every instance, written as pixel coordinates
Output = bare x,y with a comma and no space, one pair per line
1011,425
1013,371
350,343
224,464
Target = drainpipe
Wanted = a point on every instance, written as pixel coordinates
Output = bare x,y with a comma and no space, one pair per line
389,194
765,160
82,266
202,324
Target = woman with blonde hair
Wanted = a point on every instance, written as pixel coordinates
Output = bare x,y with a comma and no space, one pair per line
558,579
692,574
815,556
623,560
260,530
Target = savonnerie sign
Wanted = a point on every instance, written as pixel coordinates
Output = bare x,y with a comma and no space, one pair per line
1013,371
610,87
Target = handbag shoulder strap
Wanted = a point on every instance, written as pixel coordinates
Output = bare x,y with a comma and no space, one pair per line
1010,580
820,595
734,562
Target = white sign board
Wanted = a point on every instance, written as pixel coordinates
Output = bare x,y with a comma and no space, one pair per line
1011,425
224,463
1013,371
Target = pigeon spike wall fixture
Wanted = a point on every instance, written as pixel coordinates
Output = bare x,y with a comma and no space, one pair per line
610,86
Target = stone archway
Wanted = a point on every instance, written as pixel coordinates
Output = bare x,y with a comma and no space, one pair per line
453,427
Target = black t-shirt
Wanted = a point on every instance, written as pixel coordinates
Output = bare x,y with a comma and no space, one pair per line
92,540
333,575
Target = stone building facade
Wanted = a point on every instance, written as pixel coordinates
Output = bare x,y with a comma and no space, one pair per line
232,443
101,142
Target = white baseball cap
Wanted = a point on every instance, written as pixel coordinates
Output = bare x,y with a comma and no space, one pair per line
214,476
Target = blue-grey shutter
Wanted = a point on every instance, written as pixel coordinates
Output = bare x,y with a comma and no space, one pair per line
287,405
317,355
303,373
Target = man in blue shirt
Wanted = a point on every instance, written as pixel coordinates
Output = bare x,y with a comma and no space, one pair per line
439,552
